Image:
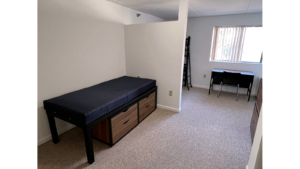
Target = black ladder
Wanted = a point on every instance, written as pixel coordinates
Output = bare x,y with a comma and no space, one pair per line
187,79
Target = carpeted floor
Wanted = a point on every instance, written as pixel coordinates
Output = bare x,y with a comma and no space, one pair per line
208,133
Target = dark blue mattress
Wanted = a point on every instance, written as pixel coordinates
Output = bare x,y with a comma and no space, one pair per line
88,104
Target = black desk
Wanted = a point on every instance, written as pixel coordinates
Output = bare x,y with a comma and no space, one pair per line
246,80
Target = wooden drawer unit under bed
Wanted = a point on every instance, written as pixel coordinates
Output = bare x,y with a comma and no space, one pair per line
124,122
112,129
146,106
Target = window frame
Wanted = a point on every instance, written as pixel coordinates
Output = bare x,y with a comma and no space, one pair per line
212,43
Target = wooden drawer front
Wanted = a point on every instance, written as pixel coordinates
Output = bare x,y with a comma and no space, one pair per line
146,106
259,103
253,123
124,122
259,96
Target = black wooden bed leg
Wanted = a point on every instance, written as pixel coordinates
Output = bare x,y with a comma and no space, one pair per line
89,145
53,130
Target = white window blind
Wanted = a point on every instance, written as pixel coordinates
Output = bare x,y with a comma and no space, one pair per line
229,44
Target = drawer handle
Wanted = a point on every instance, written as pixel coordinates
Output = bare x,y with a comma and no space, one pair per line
127,108
148,106
125,122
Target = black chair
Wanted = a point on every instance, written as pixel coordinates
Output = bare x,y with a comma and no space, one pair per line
230,79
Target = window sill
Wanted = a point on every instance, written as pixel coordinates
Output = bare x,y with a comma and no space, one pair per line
255,63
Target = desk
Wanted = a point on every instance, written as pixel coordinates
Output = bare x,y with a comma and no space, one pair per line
246,80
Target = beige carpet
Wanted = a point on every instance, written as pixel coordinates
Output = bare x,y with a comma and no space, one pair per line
208,133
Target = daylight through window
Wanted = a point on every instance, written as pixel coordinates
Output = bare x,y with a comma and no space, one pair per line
237,44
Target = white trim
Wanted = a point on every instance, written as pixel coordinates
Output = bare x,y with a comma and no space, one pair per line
169,108
49,137
237,62
246,167
200,86
217,88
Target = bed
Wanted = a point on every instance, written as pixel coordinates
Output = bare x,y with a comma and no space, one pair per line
91,106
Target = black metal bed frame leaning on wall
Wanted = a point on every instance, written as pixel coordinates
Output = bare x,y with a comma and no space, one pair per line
87,129
245,81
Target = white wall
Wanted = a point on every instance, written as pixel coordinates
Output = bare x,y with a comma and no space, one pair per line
155,51
258,163
255,159
200,30
80,44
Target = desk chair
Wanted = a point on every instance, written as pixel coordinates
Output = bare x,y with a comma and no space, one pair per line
230,79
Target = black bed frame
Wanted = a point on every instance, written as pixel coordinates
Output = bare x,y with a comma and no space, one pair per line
87,129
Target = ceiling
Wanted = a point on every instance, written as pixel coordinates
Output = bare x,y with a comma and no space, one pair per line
168,9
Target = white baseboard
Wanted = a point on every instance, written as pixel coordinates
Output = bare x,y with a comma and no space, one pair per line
168,108
200,86
49,137
225,89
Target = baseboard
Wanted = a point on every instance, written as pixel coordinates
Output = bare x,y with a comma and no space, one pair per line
217,88
200,86
169,108
49,137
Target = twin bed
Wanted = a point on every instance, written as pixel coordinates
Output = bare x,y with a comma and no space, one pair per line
112,108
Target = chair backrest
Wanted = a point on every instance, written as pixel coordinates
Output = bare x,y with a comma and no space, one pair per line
231,78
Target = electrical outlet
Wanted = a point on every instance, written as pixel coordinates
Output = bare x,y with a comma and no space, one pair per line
170,93
204,76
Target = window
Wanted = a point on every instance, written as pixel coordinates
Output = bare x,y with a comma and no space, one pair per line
237,44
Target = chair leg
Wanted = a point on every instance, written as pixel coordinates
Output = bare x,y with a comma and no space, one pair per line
237,92
248,90
220,89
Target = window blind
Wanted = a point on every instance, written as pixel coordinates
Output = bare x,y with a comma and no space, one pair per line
228,44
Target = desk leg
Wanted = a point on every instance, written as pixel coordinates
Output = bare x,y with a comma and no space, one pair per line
250,90
89,145
53,130
249,93
210,86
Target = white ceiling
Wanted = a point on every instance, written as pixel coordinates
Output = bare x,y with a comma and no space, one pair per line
168,9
